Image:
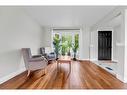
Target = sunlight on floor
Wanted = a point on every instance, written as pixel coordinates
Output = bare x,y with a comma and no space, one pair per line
111,67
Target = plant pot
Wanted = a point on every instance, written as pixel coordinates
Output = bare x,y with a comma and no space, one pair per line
69,54
63,54
57,56
74,59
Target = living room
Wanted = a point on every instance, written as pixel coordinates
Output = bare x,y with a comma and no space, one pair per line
35,27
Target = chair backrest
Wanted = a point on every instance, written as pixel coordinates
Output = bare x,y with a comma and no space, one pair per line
26,55
42,50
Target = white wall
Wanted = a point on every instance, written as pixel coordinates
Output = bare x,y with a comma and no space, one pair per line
85,48
17,30
47,37
94,45
125,59
113,25
118,39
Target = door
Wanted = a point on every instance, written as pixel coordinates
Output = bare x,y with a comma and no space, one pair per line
104,45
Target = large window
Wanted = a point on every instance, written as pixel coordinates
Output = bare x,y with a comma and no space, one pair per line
69,41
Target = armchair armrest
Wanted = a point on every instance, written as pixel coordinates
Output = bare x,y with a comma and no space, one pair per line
45,54
39,55
37,59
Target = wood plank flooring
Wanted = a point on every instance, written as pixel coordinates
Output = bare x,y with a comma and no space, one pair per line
84,75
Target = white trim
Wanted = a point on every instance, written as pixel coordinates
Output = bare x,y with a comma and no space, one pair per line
125,79
120,78
112,53
84,59
11,75
80,43
115,61
94,59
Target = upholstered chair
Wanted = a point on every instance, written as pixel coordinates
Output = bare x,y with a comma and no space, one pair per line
33,62
48,55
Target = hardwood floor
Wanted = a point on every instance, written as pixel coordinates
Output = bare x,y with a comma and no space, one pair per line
84,75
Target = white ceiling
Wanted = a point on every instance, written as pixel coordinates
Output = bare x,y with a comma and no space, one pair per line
61,16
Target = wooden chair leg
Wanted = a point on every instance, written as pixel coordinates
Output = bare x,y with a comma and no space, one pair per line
43,72
28,73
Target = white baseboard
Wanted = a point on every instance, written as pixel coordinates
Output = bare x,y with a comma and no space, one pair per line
120,78
93,59
84,59
11,75
115,60
125,79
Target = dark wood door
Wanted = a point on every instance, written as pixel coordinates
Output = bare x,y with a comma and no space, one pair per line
104,45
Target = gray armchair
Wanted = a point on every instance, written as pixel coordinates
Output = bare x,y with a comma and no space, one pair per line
33,62
50,56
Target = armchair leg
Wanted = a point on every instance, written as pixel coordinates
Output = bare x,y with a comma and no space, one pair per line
43,72
28,73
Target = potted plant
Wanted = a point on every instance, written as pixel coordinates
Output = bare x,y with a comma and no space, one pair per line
57,46
69,39
64,48
75,46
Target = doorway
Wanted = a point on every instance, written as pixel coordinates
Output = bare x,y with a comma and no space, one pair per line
104,45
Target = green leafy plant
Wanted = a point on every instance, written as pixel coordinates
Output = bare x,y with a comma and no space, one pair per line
64,45
64,48
75,45
69,44
57,46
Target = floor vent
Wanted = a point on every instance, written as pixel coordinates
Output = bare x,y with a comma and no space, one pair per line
108,68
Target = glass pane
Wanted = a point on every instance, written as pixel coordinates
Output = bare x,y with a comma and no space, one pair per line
68,43
76,45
